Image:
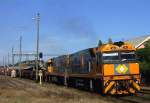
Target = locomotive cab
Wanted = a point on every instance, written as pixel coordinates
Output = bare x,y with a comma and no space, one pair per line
119,68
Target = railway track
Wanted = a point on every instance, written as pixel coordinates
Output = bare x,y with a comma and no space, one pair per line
141,97
145,90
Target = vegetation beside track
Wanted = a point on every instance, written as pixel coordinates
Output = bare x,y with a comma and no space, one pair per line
144,59
15,90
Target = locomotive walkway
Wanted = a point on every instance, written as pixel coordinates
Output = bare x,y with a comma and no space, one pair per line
15,90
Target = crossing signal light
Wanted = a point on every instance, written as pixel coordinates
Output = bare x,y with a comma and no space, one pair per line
40,55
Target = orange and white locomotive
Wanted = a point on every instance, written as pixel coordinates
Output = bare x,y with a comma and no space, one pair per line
108,68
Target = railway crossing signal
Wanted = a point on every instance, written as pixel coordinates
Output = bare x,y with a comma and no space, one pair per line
40,55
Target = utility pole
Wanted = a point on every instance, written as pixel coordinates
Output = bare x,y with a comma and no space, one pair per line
66,70
8,59
13,57
5,58
3,65
20,55
4,61
37,44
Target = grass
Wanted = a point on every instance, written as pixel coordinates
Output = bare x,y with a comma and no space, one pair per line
14,90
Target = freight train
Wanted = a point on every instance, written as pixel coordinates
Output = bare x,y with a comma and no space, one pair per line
108,68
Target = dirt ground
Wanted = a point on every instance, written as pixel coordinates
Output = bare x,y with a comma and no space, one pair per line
15,90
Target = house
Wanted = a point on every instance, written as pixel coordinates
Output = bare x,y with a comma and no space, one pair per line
139,42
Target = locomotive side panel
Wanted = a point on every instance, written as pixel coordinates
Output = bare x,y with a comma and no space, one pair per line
80,62
76,63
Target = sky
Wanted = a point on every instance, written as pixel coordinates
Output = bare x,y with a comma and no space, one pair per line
67,26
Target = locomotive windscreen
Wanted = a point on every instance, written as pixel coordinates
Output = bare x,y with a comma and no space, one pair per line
110,57
128,56
116,57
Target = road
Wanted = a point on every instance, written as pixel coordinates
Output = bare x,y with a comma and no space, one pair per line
15,90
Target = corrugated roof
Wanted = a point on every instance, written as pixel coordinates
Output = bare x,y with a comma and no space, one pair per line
138,40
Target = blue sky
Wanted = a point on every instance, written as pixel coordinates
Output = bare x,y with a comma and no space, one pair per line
67,26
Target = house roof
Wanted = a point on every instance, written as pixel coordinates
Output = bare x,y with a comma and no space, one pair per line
138,41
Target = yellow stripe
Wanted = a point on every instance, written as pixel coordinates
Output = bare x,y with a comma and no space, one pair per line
109,86
136,86
105,81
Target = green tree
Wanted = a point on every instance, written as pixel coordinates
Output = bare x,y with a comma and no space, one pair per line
144,60
147,44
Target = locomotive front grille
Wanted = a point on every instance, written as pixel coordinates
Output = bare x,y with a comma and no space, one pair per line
121,86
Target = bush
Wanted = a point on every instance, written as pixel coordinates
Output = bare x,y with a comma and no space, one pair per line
144,59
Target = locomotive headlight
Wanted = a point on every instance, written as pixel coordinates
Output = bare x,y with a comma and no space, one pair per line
137,81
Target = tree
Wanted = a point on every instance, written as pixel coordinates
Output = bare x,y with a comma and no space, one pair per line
144,60
147,44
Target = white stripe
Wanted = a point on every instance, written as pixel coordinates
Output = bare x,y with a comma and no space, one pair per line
110,54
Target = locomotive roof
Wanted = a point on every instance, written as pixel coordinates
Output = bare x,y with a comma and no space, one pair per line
112,47
102,48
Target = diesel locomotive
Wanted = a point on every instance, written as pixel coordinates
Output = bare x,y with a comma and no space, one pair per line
108,68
